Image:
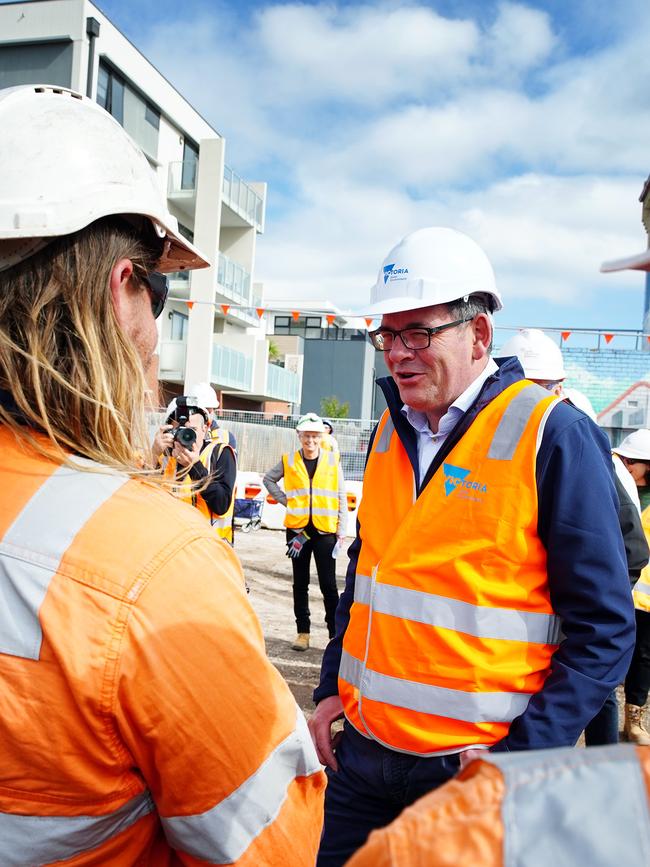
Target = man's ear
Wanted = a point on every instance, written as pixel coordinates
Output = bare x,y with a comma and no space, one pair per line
482,329
121,273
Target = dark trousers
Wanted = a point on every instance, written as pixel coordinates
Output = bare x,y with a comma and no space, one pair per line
321,546
603,729
637,682
371,788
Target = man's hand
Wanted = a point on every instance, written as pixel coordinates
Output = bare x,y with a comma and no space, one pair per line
469,756
187,457
320,728
162,441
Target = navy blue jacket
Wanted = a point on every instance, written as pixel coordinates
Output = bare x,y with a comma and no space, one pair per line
587,572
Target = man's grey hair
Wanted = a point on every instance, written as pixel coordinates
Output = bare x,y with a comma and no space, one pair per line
475,304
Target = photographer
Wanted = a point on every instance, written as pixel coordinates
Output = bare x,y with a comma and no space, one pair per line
187,454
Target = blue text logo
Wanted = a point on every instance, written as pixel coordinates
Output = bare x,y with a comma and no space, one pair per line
456,477
391,272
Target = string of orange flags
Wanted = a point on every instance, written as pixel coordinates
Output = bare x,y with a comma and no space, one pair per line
564,333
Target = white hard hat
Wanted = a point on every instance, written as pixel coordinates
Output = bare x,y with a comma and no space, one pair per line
635,446
540,357
577,398
432,266
64,163
206,394
191,401
310,422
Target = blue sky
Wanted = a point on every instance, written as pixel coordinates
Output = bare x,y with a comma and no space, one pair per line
524,124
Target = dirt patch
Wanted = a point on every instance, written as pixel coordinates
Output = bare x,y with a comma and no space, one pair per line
268,574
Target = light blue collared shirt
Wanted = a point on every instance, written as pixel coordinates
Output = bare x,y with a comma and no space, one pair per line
429,443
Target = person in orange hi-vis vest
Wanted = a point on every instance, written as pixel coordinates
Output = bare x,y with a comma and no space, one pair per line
487,603
563,807
140,720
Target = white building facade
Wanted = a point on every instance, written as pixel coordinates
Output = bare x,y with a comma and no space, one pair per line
71,43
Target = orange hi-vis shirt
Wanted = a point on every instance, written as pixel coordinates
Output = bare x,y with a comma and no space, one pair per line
140,720
566,807
452,629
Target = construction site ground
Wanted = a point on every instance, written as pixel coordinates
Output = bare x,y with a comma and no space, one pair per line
268,574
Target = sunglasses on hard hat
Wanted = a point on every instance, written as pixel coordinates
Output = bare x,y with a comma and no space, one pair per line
158,286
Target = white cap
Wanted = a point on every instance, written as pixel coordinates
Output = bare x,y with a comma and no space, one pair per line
432,266
635,446
540,357
581,401
191,401
310,422
205,394
64,163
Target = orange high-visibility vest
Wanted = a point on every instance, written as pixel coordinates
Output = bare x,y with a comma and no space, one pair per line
140,720
222,523
641,591
534,808
322,492
451,630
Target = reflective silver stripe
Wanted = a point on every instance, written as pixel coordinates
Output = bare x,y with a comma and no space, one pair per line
472,707
382,444
222,835
574,807
325,492
40,840
305,511
221,521
32,548
642,587
444,613
332,458
291,458
513,422
297,492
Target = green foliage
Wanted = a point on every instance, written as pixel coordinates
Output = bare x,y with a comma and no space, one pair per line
331,407
274,352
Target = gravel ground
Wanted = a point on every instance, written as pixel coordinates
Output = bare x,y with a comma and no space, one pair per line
268,574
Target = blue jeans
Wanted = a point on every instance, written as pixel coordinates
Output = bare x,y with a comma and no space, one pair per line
371,788
603,729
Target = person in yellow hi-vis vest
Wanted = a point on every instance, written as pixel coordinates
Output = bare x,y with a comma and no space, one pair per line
188,454
207,397
315,499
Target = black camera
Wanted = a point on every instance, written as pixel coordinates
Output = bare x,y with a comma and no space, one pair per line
186,436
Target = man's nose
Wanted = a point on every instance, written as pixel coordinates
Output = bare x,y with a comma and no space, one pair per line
398,351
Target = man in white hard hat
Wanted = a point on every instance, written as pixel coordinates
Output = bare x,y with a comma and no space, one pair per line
186,453
140,716
207,397
539,356
487,604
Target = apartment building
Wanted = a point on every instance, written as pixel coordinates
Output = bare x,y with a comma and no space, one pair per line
71,43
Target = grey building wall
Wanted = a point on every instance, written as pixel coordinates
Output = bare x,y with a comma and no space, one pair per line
340,368
36,63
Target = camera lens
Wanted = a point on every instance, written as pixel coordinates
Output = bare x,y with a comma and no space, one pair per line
186,436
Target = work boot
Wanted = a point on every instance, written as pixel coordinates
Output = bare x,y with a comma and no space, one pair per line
302,643
634,729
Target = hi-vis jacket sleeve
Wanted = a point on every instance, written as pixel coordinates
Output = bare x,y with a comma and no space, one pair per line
210,723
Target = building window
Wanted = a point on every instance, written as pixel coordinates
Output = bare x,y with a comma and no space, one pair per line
110,92
312,327
282,325
190,165
178,325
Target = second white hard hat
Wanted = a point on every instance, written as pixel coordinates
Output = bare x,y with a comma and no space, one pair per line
540,357
191,401
64,163
635,446
432,266
310,422
205,394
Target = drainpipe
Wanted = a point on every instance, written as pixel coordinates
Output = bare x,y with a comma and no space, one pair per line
92,29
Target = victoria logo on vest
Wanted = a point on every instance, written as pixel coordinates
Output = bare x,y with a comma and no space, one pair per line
456,479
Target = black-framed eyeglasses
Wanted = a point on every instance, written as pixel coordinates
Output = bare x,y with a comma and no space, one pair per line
158,285
383,339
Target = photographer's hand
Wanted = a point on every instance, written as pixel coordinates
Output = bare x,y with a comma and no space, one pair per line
162,442
187,457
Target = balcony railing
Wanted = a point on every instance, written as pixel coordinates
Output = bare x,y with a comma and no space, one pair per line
282,384
181,180
230,368
242,198
234,281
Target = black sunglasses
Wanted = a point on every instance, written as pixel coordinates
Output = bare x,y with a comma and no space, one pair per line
158,287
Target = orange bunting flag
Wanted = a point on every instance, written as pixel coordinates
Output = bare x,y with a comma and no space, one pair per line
566,335
647,337
225,308
330,318
368,321
260,311
190,304
296,315
609,338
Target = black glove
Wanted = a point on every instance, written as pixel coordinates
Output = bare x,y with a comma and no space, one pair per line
294,546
